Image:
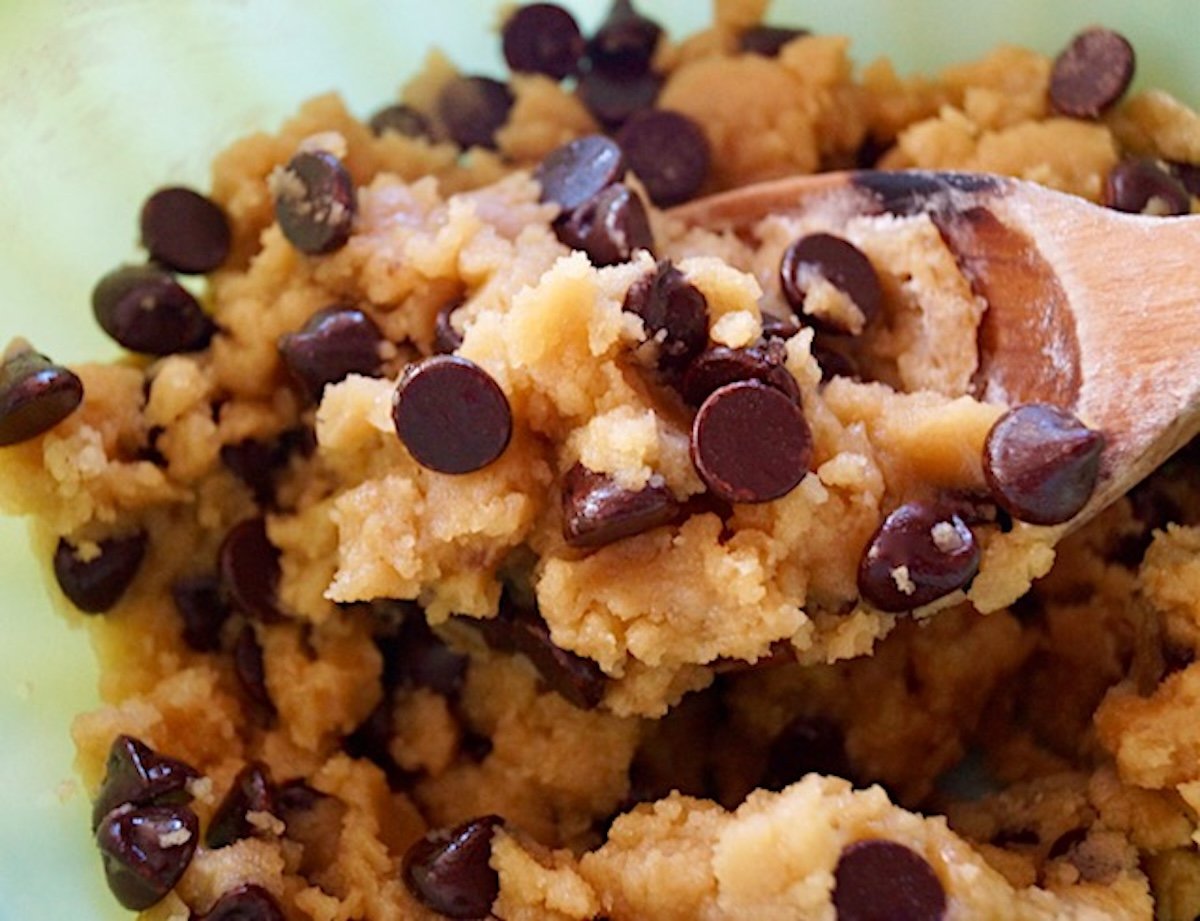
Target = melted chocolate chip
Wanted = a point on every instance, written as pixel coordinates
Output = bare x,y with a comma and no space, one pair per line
768,41
1041,463
35,395
401,119
1091,73
613,97
202,609
1141,186
674,311
722,365
245,903
610,228
146,850
95,584
185,231
669,152
878,879
448,869
146,310
446,339
473,109
543,38
596,511
136,775
750,443
249,570
579,170
807,745
315,202
334,343
252,791
252,677
451,415
918,554
843,265
625,42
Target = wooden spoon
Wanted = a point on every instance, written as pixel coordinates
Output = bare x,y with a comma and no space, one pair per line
1089,309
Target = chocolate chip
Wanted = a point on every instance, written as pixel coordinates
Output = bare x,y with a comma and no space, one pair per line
401,119
1065,842
315,202
842,264
807,745
136,775
774,327
669,153
1141,186
35,395
721,365
448,870
1188,174
251,791
473,109
750,443
96,583
625,42
334,343
185,231
371,741
577,679
610,228
254,462
296,796
1091,73
146,850
451,415
918,554
245,903
446,339
543,38
202,609
613,97
249,570
146,310
834,362
768,41
579,170
674,311
419,658
1041,463
596,511
252,678
884,879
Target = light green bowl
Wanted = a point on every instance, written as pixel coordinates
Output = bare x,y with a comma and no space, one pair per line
103,100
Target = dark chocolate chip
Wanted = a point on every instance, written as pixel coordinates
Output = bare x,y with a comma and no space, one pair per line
674,311
750,443
1041,463
295,796
252,677
136,775
878,879
185,231
255,463
448,870
35,395
245,903
579,170
577,679
249,570
315,202
1091,73
774,327
596,511
334,343
371,741
542,38
251,791
1188,174
610,228
625,42
834,362
95,584
1141,186
451,415
146,310
403,120
202,609
420,658
871,151
909,192
1064,843
837,261
919,553
669,152
473,109
613,97
146,850
768,41
807,745
720,365
446,339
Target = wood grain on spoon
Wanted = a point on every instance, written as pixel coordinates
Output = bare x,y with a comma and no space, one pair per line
1089,309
